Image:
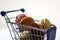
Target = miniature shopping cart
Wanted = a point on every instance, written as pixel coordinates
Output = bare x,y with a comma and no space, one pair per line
35,33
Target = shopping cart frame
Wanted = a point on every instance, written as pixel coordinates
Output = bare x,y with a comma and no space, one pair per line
51,33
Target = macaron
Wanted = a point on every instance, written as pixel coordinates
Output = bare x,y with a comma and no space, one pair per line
19,17
24,35
45,24
28,21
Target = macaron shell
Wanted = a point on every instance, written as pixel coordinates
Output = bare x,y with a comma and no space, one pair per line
22,35
17,21
41,24
20,15
27,21
45,24
36,25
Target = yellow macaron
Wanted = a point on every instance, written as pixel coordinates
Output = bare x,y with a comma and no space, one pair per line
45,24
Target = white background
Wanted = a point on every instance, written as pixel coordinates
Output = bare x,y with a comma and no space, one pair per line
38,9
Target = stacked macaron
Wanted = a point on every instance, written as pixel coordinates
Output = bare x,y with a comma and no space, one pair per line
25,20
29,21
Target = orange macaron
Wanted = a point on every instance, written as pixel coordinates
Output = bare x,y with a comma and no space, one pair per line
28,21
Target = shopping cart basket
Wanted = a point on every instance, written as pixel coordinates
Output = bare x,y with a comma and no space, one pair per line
35,33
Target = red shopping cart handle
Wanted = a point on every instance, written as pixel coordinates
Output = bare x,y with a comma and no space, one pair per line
3,13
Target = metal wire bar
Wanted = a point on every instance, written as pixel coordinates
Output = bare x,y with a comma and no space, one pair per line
12,27
9,28
29,27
